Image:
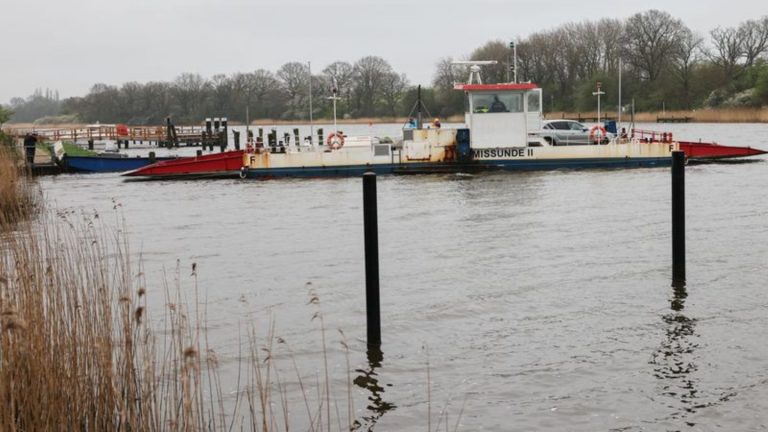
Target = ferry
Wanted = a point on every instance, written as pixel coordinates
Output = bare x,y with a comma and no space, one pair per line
501,131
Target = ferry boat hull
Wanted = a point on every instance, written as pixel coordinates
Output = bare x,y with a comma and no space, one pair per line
711,151
441,151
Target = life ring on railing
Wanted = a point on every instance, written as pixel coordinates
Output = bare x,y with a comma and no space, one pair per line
335,140
597,134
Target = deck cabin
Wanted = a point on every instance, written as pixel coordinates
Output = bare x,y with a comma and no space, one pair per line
502,115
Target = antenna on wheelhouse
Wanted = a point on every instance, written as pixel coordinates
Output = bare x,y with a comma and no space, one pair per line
311,125
334,97
474,68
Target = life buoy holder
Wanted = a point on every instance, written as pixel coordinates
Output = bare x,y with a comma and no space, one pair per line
597,134
335,140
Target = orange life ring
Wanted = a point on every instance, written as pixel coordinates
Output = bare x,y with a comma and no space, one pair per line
593,134
335,140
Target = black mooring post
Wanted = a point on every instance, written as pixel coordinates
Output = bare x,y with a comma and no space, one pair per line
236,135
419,120
371,229
678,218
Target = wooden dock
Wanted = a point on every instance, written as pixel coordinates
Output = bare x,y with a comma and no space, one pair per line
124,134
673,119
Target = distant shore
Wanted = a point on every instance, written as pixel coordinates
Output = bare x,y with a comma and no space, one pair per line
732,115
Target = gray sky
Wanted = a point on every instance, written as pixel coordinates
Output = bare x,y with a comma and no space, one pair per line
70,45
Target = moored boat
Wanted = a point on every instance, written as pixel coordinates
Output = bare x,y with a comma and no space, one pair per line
101,163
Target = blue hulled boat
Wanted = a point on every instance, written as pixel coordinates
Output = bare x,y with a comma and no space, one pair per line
102,163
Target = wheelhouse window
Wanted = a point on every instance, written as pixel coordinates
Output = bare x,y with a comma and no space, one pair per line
534,104
497,102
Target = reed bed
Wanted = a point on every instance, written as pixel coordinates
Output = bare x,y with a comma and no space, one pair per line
725,115
78,351
18,192
81,350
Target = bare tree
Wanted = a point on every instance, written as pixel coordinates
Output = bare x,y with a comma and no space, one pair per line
649,40
221,95
189,93
728,51
494,50
447,74
753,35
686,56
392,90
370,73
295,79
344,74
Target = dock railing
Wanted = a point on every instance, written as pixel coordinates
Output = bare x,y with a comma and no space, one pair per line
109,132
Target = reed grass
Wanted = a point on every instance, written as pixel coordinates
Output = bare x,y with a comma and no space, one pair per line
19,196
78,351
80,348
710,115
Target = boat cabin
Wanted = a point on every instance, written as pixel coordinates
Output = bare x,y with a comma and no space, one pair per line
501,115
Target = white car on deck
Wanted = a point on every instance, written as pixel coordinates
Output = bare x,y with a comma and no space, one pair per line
571,132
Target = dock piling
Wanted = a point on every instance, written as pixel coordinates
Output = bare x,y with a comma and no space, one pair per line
371,230
678,218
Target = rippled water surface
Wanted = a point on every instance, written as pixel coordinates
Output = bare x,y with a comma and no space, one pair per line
541,301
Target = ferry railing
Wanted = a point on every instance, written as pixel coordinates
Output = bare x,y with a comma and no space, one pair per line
651,136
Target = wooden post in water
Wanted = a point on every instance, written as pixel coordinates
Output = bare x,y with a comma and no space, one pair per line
678,218
371,230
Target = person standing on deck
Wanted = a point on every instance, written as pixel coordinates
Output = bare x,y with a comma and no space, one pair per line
30,141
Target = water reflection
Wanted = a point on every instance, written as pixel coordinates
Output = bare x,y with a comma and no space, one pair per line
673,361
369,380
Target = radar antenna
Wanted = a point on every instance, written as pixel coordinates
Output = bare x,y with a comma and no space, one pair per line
474,68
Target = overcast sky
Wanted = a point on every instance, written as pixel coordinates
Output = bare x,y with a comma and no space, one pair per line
68,45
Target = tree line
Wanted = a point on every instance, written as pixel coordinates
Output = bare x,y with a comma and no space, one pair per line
664,64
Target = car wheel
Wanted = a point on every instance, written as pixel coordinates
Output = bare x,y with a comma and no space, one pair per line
550,141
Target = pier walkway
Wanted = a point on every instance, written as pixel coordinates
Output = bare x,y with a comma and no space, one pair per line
188,135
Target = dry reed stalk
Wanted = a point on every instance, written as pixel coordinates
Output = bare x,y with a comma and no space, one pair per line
18,194
78,349
708,115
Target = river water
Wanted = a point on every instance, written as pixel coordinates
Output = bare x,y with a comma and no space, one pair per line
537,301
